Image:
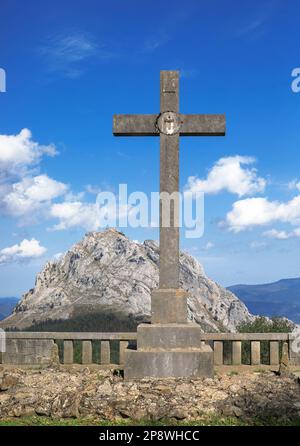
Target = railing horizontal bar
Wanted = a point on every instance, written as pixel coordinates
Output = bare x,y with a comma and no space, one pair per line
78,336
244,336
131,336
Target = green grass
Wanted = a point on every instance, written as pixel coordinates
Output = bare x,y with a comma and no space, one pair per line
212,421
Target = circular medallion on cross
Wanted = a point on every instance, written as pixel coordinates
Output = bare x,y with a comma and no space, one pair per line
168,123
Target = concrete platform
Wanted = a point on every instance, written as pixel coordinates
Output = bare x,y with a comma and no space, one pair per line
178,363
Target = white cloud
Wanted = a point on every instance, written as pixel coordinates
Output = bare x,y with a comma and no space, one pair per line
294,184
260,211
19,152
282,235
90,216
25,251
31,194
22,191
76,214
227,174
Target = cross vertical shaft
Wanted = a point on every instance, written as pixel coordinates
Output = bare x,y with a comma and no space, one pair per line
169,183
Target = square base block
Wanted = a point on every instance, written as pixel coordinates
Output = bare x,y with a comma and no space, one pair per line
168,306
169,364
168,336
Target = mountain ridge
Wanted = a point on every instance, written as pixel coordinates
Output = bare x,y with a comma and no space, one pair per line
279,298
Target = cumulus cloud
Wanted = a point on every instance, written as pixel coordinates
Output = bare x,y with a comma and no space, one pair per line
31,194
25,251
22,191
228,174
75,214
260,211
89,216
19,152
282,235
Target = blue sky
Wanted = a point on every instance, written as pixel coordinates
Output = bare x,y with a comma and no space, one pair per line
71,65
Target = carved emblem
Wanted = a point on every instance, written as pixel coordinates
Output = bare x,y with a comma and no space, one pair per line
168,123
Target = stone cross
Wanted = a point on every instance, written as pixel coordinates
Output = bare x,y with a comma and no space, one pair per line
169,124
170,346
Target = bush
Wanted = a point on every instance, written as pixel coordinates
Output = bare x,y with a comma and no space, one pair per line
262,324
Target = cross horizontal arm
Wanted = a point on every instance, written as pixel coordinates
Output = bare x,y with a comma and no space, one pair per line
135,125
203,125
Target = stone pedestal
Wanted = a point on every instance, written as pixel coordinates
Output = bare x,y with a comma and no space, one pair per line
170,346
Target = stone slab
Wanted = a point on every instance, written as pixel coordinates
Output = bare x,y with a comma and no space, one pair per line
168,336
169,364
169,306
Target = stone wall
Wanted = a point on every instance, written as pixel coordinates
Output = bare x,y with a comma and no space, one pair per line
28,351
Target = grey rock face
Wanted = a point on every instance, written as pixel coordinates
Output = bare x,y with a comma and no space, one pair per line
107,270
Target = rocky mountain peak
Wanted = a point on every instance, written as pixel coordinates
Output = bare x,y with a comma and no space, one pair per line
106,270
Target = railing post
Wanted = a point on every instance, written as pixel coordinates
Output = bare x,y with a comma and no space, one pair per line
87,352
123,347
236,353
68,352
274,352
218,352
105,352
255,352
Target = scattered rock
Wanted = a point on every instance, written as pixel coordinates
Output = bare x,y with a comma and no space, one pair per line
8,381
72,393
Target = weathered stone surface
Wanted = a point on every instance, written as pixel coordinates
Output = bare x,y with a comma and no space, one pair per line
107,270
87,352
274,352
255,352
68,352
294,350
191,363
236,353
168,336
284,367
28,351
218,352
59,393
168,306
